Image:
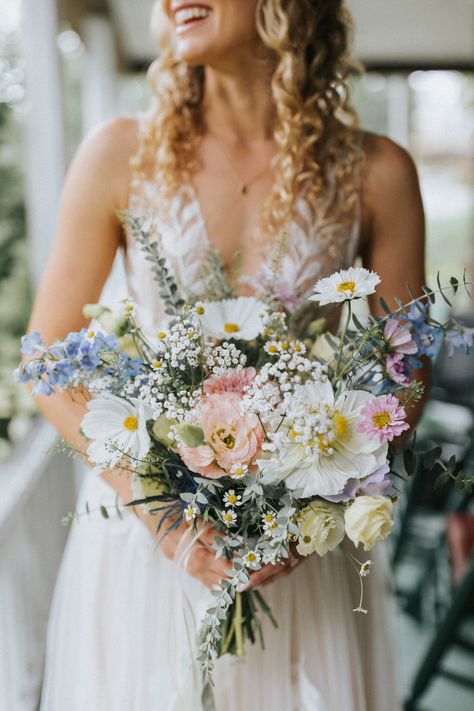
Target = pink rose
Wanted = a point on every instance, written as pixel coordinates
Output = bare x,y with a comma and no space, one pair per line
232,438
233,381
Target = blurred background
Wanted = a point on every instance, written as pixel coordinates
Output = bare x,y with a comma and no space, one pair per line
67,65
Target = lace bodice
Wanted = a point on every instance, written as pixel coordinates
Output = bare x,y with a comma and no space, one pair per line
309,250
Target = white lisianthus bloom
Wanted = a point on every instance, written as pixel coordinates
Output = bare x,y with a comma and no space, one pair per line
320,464
240,318
116,426
344,285
369,520
321,527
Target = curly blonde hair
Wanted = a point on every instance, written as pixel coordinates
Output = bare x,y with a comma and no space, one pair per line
315,126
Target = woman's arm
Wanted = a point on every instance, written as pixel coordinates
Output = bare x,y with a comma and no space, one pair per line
87,238
393,232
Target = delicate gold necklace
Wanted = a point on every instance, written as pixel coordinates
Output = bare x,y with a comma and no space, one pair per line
243,184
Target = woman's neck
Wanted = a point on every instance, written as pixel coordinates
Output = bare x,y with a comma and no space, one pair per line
238,104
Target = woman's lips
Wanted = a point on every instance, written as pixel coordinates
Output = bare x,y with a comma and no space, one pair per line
187,17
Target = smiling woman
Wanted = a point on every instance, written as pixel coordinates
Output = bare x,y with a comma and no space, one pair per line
250,162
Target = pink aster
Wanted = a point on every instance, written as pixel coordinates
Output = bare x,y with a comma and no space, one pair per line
399,337
233,381
395,366
383,418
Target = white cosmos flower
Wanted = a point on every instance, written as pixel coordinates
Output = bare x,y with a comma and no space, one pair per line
347,284
239,318
324,468
113,422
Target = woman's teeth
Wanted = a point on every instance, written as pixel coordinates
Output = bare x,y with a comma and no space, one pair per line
182,17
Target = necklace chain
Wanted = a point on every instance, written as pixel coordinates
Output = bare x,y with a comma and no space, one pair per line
244,184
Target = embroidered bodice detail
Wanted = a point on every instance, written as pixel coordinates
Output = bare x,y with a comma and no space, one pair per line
290,266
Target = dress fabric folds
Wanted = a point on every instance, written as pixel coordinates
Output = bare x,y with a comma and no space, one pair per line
123,619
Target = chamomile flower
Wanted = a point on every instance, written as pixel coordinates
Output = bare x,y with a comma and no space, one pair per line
269,523
190,512
345,285
116,426
229,518
232,499
252,559
238,471
240,318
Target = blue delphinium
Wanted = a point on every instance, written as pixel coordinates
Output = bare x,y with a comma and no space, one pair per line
32,343
427,337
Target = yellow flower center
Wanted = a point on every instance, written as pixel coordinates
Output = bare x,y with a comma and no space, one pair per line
340,424
231,328
90,334
161,335
268,518
346,286
238,471
306,539
191,334
130,423
232,499
200,310
251,557
156,364
381,420
225,437
272,349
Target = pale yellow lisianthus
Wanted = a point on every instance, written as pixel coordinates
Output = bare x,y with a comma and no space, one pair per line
321,527
369,520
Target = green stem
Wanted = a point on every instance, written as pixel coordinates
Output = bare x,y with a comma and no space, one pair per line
238,625
343,337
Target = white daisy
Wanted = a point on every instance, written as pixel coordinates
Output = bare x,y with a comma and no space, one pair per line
345,285
269,523
252,559
190,512
323,465
240,318
116,426
232,499
229,518
238,471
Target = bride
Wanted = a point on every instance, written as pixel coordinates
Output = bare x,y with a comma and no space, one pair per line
250,135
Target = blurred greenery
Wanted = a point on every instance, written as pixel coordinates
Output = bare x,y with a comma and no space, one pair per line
15,294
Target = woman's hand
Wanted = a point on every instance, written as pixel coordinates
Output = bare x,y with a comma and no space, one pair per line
269,573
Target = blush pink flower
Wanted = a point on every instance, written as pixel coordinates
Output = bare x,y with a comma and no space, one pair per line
395,366
399,337
230,437
384,418
233,381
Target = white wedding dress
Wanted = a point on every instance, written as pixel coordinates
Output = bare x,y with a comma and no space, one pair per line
123,619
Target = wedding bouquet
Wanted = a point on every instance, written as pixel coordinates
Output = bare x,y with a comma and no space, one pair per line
224,416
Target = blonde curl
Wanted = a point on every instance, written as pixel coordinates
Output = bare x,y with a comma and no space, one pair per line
315,125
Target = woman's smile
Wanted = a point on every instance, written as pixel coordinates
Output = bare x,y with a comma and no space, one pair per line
188,16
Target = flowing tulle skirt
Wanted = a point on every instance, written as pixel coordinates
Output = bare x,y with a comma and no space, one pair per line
121,630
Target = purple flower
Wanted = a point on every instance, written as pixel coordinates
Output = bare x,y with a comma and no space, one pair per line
399,337
42,388
32,343
376,484
384,418
396,368
462,338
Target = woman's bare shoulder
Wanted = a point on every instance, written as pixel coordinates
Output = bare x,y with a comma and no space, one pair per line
389,168
105,154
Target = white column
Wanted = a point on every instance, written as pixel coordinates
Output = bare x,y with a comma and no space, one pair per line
99,85
45,155
398,110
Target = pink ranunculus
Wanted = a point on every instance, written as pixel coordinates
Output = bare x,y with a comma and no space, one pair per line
395,366
384,418
399,337
232,438
233,381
